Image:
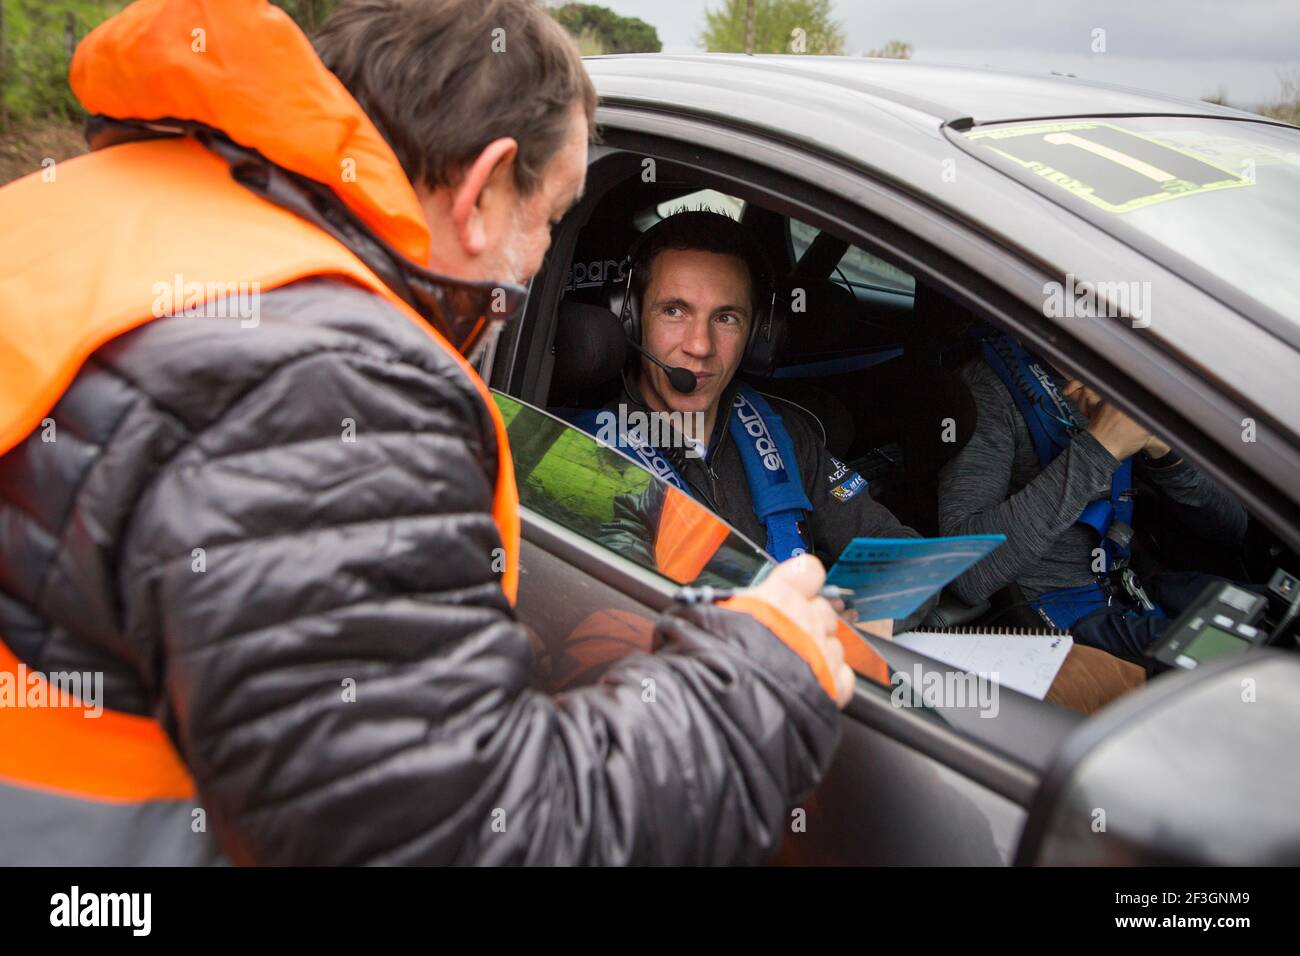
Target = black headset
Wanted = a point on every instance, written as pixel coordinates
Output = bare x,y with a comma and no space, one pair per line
764,329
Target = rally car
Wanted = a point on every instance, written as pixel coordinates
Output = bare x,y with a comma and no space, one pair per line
1146,241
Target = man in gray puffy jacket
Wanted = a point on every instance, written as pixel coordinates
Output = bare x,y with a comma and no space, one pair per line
272,535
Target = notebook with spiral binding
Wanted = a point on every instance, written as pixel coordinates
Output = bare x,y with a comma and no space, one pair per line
1024,659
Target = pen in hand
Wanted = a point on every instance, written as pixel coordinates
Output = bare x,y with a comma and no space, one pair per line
711,595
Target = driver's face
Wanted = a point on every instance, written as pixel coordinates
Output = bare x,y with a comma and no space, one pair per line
696,313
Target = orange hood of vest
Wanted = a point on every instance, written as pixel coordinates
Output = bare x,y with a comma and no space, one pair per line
244,67
79,268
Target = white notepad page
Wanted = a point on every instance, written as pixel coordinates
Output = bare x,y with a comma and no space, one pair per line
1026,662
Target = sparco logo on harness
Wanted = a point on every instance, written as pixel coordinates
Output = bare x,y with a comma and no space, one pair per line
1049,386
757,430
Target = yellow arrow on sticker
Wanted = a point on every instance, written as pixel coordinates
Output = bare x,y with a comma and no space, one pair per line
1114,155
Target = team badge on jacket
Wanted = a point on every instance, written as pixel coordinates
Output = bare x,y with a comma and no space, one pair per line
847,482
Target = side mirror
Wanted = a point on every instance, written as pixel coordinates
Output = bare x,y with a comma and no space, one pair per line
1199,768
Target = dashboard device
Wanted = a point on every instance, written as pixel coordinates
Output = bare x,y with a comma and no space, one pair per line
1224,619
1284,608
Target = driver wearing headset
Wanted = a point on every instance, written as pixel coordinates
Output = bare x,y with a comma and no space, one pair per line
698,307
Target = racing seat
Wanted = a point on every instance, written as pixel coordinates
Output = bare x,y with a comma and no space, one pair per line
935,405
590,349
599,256
830,310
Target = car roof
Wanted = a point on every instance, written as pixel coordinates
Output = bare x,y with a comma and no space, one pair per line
800,95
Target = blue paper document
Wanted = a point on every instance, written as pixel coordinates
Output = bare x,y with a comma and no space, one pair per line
892,577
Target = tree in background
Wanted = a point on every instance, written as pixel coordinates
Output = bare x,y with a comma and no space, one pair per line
779,26
601,30
893,50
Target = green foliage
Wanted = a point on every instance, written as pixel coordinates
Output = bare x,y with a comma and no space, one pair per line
775,26
564,475
590,44
34,55
601,30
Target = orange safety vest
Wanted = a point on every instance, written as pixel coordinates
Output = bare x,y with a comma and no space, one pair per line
108,234
80,256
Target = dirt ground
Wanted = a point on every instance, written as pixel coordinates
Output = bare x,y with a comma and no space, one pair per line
22,150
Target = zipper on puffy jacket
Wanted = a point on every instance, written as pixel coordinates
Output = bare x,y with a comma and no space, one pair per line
709,497
713,481
712,497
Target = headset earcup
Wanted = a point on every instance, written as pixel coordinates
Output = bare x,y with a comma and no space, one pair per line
623,304
755,361
632,316
765,342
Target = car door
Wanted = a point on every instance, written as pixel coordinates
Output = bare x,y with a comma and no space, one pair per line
590,589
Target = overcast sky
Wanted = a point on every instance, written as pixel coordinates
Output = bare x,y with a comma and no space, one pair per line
1187,47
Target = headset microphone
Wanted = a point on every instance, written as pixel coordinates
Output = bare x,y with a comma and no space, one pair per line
681,379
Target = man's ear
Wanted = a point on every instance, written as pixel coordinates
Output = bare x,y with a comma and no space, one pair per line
486,182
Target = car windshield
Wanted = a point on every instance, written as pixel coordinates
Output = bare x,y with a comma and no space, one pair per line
566,475
1222,194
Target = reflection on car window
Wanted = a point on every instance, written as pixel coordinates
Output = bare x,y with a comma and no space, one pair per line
567,476
857,269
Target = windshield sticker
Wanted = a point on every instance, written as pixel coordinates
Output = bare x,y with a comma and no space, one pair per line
1110,167
1229,152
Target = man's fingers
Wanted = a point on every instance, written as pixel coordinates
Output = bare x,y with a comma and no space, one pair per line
1088,401
841,673
793,588
826,616
803,574
833,651
844,683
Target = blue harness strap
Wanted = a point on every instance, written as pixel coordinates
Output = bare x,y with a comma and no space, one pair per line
1050,420
766,452
771,471
1062,607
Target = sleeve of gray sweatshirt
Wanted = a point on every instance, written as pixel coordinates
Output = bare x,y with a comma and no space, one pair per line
993,486
1202,505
